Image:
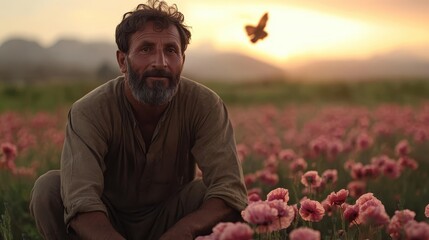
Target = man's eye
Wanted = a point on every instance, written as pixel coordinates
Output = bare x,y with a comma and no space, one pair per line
172,50
145,49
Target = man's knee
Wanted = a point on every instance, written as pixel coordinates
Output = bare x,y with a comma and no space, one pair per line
45,194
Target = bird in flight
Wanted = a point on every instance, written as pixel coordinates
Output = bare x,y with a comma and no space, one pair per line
257,33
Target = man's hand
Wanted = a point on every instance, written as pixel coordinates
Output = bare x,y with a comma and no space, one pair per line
201,222
94,225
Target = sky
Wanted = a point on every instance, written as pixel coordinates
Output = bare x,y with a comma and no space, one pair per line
298,30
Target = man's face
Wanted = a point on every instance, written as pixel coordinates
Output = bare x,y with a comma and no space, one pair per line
154,64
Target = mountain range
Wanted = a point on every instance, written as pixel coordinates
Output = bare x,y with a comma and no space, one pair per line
25,59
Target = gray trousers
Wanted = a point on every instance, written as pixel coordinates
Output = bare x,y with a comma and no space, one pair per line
47,209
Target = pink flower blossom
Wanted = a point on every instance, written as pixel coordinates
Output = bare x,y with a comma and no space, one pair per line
311,179
259,213
319,145
286,215
351,213
370,171
236,231
356,188
229,231
391,169
328,207
417,230
330,176
367,197
363,141
278,194
357,171
287,155
406,162
304,233
402,148
298,165
7,155
338,198
268,177
371,211
311,210
249,179
398,222
253,197
374,216
334,148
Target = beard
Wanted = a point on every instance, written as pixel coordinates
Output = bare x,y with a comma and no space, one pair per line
156,95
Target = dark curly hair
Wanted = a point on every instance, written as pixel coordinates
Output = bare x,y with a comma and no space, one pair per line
155,11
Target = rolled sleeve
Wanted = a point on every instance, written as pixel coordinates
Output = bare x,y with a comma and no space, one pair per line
215,153
82,165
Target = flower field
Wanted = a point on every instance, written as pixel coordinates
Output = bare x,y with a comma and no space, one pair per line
336,172
313,172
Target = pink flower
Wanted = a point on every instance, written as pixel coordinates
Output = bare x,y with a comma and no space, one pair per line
417,230
249,179
286,215
7,155
330,176
311,179
363,141
271,163
351,213
268,177
287,155
298,165
259,213
304,233
391,169
328,207
371,211
338,198
319,145
229,231
253,197
356,188
334,148
370,171
427,211
367,197
374,216
398,222
402,148
236,231
357,171
254,190
311,210
404,162
278,194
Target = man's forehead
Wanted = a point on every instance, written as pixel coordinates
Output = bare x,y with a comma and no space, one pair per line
151,31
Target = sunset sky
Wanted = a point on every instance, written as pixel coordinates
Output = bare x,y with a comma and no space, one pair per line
298,29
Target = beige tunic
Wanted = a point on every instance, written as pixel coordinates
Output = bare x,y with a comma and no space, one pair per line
104,163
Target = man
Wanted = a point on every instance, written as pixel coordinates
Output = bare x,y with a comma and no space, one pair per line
128,162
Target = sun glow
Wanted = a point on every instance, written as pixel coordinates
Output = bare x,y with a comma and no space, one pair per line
292,32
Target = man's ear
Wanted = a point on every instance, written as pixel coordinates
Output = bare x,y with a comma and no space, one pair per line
184,57
121,58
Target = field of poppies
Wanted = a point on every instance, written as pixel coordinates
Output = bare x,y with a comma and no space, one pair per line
335,170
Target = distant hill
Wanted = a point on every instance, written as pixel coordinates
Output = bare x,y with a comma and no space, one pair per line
400,64
229,66
25,59
70,59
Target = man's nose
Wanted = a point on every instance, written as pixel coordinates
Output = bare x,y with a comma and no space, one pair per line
159,61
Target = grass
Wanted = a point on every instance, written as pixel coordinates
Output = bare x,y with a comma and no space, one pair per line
51,96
